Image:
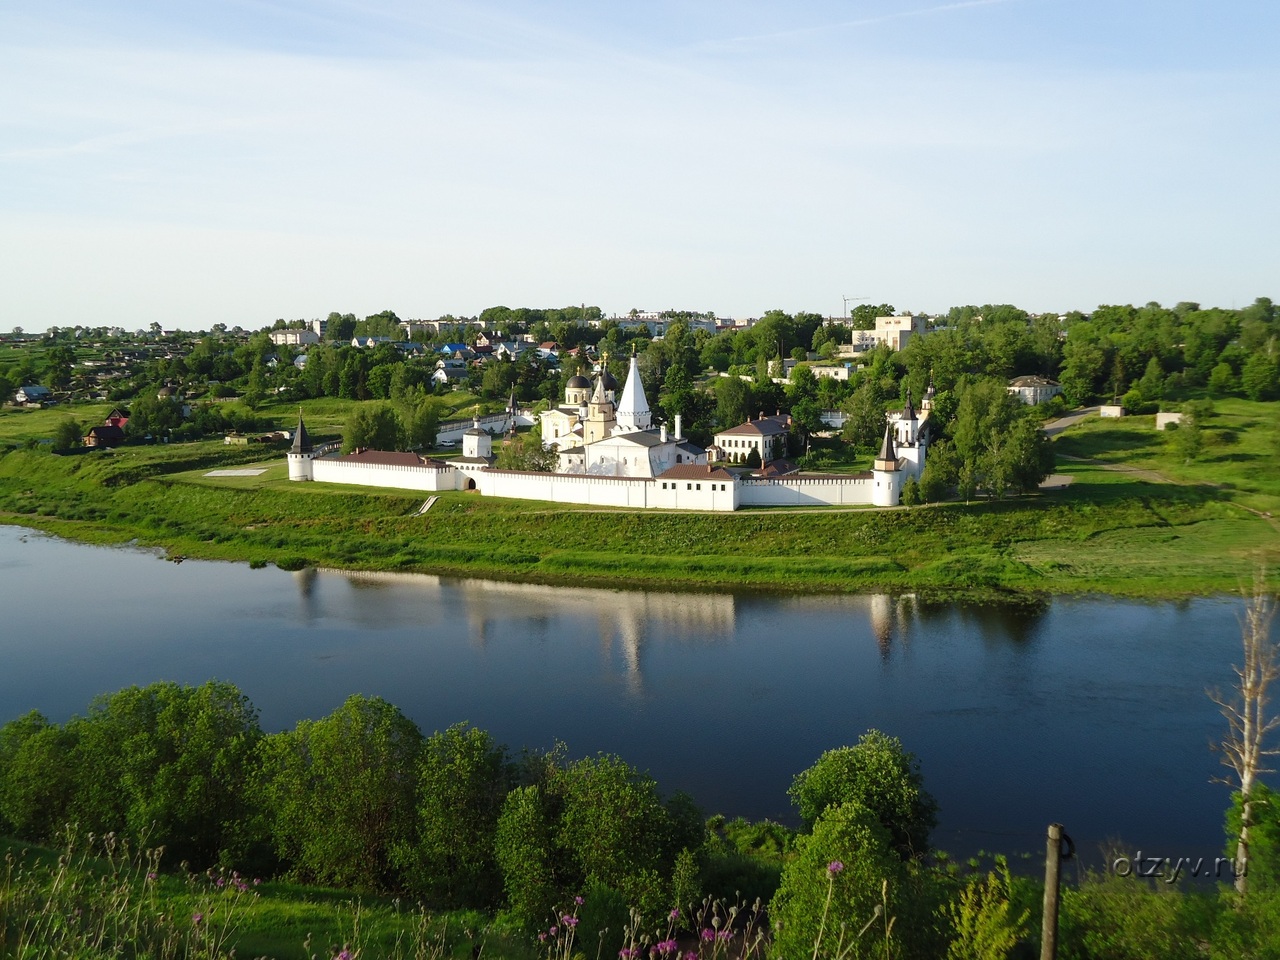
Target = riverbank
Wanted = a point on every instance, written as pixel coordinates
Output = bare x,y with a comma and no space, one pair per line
1107,532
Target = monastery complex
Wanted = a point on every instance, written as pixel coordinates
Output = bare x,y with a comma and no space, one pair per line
611,455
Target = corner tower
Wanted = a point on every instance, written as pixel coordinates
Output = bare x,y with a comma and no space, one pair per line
885,473
301,454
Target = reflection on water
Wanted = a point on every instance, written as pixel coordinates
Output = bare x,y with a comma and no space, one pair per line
725,695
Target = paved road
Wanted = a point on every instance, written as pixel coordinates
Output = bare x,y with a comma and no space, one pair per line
1054,427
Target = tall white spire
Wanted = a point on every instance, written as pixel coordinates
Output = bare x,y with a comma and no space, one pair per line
633,409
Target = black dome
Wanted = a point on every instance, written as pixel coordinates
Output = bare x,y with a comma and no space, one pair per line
578,382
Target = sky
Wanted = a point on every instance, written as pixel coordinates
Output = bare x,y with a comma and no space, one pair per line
192,162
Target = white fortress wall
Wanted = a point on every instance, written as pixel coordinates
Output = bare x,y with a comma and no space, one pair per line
564,488
382,475
606,491
808,491
452,430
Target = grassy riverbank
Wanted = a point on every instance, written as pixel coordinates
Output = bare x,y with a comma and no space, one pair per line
1119,532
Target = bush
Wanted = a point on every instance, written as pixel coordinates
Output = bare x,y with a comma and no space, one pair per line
340,794
881,777
841,886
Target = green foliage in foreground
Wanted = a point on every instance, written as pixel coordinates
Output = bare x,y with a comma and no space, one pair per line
588,856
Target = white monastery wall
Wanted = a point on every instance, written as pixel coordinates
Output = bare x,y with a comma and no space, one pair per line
810,491
381,475
605,491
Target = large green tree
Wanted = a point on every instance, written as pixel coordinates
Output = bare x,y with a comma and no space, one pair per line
880,776
341,794
463,778
372,426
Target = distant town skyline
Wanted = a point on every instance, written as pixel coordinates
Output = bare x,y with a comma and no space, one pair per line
242,161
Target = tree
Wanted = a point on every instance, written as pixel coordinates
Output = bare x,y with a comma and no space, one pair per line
167,764
881,776
1244,750
526,452
421,424
340,793
835,889
1186,437
463,778
58,363
1261,377
865,420
999,447
614,827
66,434
525,848
371,426
38,776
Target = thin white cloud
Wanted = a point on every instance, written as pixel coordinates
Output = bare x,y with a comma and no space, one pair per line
860,22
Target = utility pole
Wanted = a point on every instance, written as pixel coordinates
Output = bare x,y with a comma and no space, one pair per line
1053,857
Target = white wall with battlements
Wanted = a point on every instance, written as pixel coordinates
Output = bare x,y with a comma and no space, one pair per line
819,491
633,492
382,475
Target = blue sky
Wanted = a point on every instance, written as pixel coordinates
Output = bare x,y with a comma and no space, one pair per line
191,163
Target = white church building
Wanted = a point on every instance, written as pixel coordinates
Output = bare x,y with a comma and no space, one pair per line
611,455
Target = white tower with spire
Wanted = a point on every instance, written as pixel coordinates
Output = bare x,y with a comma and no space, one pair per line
301,454
633,409
886,473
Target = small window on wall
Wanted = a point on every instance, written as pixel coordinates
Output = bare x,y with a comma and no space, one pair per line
699,486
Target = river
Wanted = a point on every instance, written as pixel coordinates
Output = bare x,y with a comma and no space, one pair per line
1088,711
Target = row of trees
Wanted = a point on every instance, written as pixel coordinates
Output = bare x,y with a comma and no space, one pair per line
362,800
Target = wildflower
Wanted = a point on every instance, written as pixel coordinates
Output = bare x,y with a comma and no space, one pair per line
708,934
666,946
196,918
675,913
542,938
554,930
344,954
578,901
569,920
834,867
151,875
627,952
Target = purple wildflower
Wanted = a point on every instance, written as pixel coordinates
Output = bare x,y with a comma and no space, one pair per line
196,918
834,867
675,913
708,934
578,901
666,946
569,920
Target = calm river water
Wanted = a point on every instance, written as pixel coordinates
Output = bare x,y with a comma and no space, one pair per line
1087,711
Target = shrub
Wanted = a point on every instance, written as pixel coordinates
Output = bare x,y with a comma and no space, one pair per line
880,776
841,886
340,792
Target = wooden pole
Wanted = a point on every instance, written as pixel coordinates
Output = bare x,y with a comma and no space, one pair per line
1052,864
